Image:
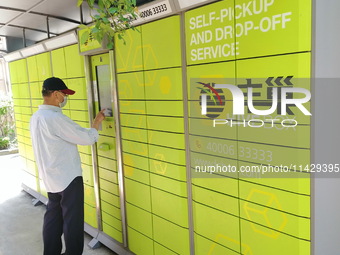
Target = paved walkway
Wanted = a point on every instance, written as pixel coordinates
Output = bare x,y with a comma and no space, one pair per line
20,221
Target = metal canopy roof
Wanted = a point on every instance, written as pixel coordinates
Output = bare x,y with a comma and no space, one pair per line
37,20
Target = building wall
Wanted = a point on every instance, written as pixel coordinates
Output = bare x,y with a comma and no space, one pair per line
157,74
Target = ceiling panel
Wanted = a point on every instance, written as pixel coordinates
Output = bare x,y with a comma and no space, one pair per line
62,8
58,26
7,15
35,36
31,21
11,31
20,4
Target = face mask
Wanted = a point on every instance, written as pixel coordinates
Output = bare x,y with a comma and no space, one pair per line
61,105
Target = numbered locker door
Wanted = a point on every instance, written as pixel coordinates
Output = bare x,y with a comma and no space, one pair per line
106,148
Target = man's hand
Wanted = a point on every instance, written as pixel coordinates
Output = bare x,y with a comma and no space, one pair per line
98,119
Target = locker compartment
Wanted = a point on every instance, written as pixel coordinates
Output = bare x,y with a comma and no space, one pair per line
85,158
79,115
130,106
204,127
209,73
277,199
139,243
74,62
106,147
108,127
166,139
261,240
273,155
67,113
87,174
114,233
26,119
205,246
79,86
131,86
83,124
35,104
171,124
170,207
112,221
170,185
276,219
108,186
90,215
26,110
15,91
35,90
110,209
107,163
138,194
134,134
216,200
165,84
129,54
44,66
137,174
109,198
29,152
135,148
135,161
161,250
157,52
207,166
167,169
22,71
193,52
165,108
31,167
32,69
80,105
212,223
58,63
299,136
174,156
139,219
84,148
108,175
133,120
274,41
24,92
89,196
13,68
297,185
213,146
171,235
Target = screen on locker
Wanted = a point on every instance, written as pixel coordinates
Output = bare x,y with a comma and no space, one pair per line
104,89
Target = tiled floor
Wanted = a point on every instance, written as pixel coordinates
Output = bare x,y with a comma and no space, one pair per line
20,221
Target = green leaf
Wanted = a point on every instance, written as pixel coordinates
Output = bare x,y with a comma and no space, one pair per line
79,2
82,26
84,37
113,10
110,45
91,3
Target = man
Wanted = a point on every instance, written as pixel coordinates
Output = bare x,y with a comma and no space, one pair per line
54,139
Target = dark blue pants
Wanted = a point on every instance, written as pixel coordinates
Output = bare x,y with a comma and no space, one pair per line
65,214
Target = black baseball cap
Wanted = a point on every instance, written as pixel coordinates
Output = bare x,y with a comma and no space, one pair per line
54,83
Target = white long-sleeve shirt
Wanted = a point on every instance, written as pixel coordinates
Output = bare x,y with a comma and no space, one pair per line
54,139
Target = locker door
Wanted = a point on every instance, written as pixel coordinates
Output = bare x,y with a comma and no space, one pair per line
106,148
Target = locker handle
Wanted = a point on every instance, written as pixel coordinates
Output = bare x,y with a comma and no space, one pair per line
104,147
